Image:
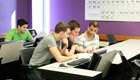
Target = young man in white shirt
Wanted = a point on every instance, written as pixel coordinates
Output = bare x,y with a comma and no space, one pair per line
89,39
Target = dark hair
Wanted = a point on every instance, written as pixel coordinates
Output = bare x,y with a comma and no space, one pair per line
94,23
61,26
74,24
21,22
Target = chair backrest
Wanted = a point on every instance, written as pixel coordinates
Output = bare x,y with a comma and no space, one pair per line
126,68
2,39
111,38
26,54
32,32
137,67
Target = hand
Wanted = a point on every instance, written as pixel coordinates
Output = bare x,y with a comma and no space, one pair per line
72,38
75,56
90,51
65,42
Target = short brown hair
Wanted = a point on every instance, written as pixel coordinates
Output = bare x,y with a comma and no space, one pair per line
74,24
94,23
61,26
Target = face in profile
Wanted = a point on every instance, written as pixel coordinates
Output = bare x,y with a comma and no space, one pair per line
66,34
75,32
92,30
23,28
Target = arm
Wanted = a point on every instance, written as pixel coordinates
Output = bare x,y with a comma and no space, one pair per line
60,58
65,51
81,50
6,40
71,52
32,41
9,36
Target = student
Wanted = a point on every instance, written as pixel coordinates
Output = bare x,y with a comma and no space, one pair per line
89,39
50,47
75,28
19,33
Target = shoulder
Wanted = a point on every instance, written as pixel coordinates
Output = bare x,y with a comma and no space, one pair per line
27,32
49,37
82,36
96,36
13,30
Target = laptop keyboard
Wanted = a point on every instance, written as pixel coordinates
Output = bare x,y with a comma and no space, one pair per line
78,62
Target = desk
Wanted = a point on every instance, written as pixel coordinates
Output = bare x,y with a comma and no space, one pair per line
54,72
130,49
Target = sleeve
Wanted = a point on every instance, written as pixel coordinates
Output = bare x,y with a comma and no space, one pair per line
29,36
9,35
50,42
80,42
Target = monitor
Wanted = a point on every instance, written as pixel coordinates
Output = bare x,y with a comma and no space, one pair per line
38,39
127,70
103,62
96,59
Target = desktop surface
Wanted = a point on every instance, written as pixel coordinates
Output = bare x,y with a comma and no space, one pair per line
130,49
68,73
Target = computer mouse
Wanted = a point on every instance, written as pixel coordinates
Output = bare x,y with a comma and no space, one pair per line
62,65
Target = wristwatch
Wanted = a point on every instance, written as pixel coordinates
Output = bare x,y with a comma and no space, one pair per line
73,43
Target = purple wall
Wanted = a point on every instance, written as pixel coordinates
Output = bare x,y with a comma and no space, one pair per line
62,10
66,10
23,9
7,7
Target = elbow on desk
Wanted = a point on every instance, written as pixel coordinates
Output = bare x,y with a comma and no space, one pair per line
59,60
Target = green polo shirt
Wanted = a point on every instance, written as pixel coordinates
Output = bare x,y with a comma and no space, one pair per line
14,35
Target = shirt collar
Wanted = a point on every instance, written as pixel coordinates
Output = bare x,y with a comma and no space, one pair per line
17,31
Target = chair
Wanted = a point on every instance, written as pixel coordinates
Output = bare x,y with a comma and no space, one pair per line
137,67
26,54
126,68
111,38
29,71
32,32
2,39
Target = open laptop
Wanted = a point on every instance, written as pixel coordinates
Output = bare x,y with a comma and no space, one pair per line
10,51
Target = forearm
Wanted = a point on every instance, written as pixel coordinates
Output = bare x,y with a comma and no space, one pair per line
6,40
63,50
66,58
81,50
32,41
72,50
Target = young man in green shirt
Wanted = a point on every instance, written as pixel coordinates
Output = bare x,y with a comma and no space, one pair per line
19,33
